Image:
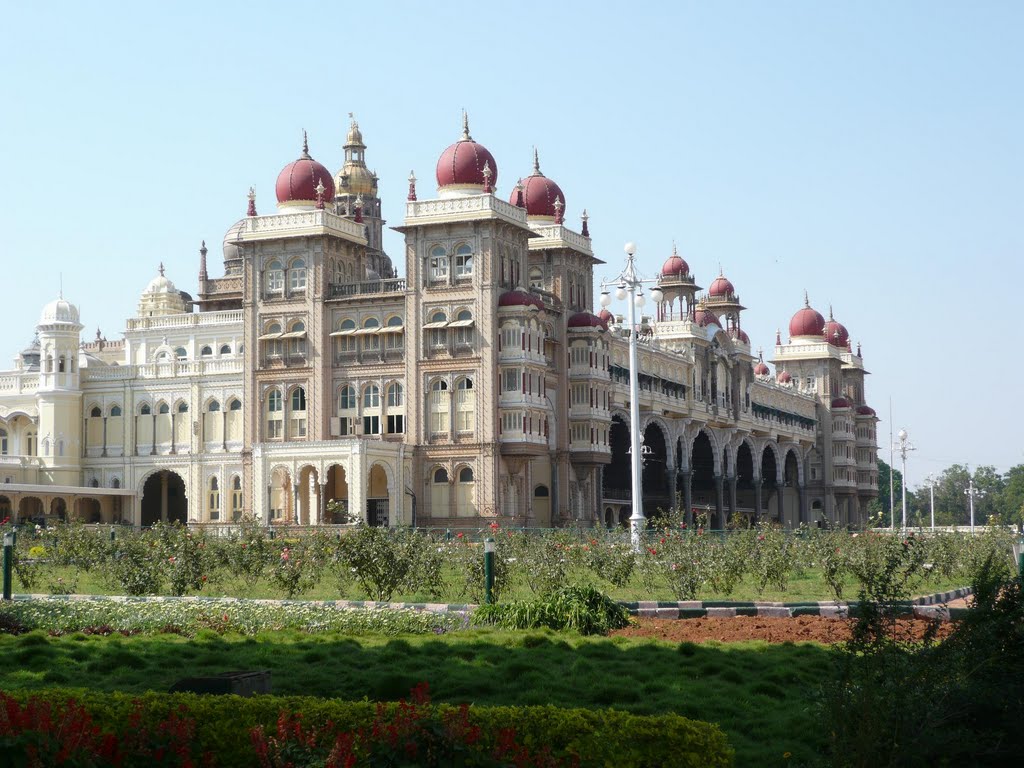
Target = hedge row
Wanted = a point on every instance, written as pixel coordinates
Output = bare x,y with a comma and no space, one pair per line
596,737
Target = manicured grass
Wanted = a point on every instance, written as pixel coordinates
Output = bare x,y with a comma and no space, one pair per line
762,695
803,586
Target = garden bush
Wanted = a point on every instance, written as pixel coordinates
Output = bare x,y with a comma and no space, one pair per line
224,726
580,608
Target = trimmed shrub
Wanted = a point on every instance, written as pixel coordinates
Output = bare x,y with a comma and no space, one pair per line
595,738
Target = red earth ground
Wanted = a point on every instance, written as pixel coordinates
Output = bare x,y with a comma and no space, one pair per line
798,629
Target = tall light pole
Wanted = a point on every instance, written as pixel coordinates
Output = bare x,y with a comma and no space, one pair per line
629,285
931,491
970,492
904,447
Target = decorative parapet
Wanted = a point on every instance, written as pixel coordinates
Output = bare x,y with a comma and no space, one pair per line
557,236
186,320
462,208
169,370
19,383
301,224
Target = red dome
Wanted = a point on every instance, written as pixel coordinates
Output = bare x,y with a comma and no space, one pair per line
865,410
761,369
462,164
785,378
740,334
835,332
539,194
806,322
721,287
587,320
607,316
704,318
519,299
840,402
675,266
298,181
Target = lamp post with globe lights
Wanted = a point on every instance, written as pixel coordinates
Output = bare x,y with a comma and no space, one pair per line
629,285
971,492
904,446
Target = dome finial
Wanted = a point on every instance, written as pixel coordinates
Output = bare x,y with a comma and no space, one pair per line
412,186
465,126
830,313
760,354
675,252
252,202
536,163
807,301
586,229
305,146
778,337
161,269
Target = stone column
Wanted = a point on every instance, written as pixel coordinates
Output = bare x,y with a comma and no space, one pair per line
757,499
322,504
224,430
152,451
687,496
173,435
296,505
732,495
719,501
673,477
104,453
782,504
164,480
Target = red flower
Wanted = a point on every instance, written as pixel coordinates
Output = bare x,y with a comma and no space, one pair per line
761,537
495,526
204,578
662,539
170,559
652,551
458,535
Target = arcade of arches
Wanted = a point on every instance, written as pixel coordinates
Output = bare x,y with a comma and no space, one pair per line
750,488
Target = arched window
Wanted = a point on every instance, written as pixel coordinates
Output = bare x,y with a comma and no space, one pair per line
346,410
225,349
439,407
394,337
441,475
465,505
95,412
213,407
370,334
206,351
536,278
164,409
297,275
213,499
438,265
297,335
275,415
115,410
181,353
298,413
183,407
463,262
440,500
463,325
271,338
115,482
437,326
144,410
235,404
371,409
345,337
396,408
236,498
275,277
3,442
162,357
465,405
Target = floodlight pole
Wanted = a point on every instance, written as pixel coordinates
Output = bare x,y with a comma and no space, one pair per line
904,447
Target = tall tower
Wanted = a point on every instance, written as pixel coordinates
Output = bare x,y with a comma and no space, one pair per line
60,395
356,197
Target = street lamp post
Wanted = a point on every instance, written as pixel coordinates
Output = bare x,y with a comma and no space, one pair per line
904,447
629,285
931,492
970,492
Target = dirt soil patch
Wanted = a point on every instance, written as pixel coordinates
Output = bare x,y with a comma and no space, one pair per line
816,629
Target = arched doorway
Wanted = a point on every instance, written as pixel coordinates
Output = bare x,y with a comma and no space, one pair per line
378,502
702,478
618,483
791,479
336,492
5,508
542,506
307,504
30,508
745,501
163,499
281,502
88,511
59,509
769,485
656,493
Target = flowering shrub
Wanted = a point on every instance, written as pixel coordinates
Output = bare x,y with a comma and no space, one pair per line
383,560
38,734
414,733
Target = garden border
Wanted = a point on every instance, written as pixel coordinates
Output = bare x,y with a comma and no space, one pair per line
928,606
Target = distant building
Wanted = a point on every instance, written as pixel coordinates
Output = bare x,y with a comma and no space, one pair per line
477,386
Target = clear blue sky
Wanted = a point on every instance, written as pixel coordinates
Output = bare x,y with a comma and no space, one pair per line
870,153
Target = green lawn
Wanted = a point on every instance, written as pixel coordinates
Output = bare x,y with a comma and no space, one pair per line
803,586
762,695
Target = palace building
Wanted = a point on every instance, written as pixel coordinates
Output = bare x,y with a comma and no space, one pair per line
474,384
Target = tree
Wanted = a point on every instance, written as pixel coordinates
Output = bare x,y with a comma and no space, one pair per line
887,475
952,505
1011,500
